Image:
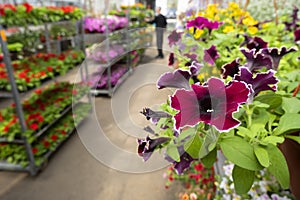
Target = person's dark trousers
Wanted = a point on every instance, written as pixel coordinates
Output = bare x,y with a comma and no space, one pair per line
159,41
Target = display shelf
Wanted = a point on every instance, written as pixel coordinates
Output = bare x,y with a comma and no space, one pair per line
50,153
4,94
13,167
110,92
4,165
21,141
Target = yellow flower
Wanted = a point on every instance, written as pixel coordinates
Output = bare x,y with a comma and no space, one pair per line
252,30
228,29
233,6
217,18
200,14
249,21
265,25
215,70
191,30
198,33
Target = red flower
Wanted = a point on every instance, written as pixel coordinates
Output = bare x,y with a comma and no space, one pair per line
34,126
46,144
171,178
205,181
54,137
27,79
63,132
13,105
61,57
38,91
40,119
50,69
199,167
22,75
74,92
35,150
28,7
6,129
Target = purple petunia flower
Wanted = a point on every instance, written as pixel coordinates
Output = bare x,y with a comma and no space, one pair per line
261,82
247,39
174,38
256,61
297,35
177,79
230,69
171,59
276,54
146,147
202,22
213,104
211,54
257,43
184,163
155,116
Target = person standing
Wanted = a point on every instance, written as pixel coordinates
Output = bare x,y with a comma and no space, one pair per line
160,22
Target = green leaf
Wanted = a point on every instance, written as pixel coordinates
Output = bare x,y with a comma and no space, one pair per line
243,179
240,152
278,166
242,131
289,122
274,100
209,143
209,160
291,105
295,138
260,104
193,146
172,151
273,140
186,133
262,156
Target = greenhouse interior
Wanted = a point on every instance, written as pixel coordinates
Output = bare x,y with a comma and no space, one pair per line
149,99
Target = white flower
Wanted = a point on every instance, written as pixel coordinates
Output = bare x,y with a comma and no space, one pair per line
193,196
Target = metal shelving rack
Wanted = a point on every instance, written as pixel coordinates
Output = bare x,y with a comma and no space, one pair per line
107,66
32,168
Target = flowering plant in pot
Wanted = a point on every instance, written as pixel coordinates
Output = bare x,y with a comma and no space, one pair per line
198,181
238,111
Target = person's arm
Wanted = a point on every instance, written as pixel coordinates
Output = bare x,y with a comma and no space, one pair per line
152,21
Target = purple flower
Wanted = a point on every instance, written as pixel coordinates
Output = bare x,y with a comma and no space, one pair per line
195,67
177,79
230,69
155,116
201,23
297,35
276,54
213,104
184,163
247,39
174,38
146,147
171,59
256,61
261,82
210,55
257,43
192,57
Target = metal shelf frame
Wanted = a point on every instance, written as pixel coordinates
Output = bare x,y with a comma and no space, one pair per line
22,140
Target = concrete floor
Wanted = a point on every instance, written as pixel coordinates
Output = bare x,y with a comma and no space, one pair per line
84,168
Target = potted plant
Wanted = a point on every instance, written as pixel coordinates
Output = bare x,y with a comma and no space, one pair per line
242,112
